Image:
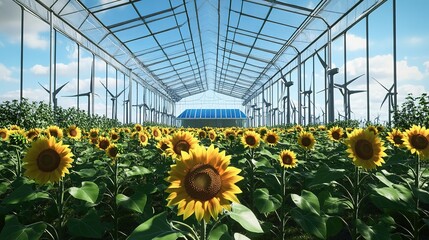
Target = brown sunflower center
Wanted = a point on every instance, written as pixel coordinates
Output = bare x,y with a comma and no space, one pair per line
138,128
287,159
113,152
30,135
306,141
155,133
115,136
93,134
2,135
73,132
398,139
53,133
202,134
48,160
103,144
203,182
180,146
143,138
164,146
419,141
271,139
250,140
364,149
212,136
336,135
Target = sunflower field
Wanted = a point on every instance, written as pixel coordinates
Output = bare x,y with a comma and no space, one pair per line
96,179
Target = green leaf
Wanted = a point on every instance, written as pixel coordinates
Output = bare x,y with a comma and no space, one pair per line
335,206
308,202
156,227
220,233
88,227
381,176
310,222
264,202
88,192
333,226
239,236
15,230
325,175
24,193
381,230
136,202
136,171
245,217
3,187
87,172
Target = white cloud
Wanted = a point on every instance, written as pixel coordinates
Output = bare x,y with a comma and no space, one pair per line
6,74
414,40
10,24
39,70
355,43
381,68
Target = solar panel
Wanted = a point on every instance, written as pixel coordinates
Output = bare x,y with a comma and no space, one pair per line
212,114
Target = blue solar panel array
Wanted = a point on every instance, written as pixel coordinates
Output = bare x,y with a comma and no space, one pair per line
212,114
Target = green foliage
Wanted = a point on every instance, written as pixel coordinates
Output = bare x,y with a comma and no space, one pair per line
41,115
415,110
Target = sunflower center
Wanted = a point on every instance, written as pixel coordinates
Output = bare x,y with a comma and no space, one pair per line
250,140
306,141
2,135
48,160
53,133
155,133
398,139
419,141
336,135
286,159
203,182
73,132
103,144
115,136
164,147
271,139
113,152
211,136
364,149
180,146
93,134
30,135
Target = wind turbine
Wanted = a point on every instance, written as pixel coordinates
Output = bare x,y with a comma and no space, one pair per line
86,94
294,111
389,96
330,72
344,91
114,99
285,95
307,94
54,93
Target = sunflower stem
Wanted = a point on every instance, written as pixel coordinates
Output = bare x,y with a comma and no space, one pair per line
60,207
18,163
204,230
283,212
115,206
416,189
356,187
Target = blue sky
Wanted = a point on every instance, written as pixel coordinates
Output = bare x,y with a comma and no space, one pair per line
412,62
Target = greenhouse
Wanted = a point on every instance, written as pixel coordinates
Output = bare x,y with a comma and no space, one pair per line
214,119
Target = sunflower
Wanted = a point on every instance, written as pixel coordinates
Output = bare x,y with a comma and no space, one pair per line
365,148
306,140
14,128
203,183
396,137
74,132
229,134
112,151
163,144
114,135
181,141
54,131
47,160
143,138
138,127
250,139
287,159
417,141
202,134
335,133
93,133
4,134
372,129
32,134
262,131
103,143
212,135
299,128
156,133
271,137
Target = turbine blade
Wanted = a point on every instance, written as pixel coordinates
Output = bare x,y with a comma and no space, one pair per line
59,89
44,88
380,83
321,60
111,94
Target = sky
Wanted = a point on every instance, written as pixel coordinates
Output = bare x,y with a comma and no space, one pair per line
412,63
